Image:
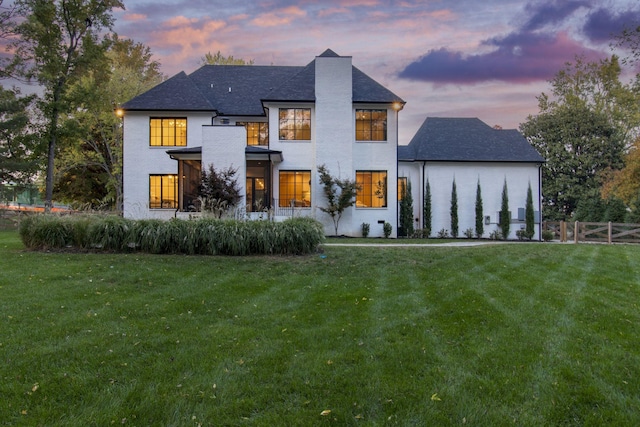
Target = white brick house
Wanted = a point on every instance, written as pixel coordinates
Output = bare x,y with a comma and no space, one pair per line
276,125
470,152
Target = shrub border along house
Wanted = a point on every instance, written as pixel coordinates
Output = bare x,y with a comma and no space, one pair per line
206,236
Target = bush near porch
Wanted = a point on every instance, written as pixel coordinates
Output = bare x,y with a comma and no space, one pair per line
206,236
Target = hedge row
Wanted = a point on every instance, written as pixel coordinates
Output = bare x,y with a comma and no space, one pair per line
202,236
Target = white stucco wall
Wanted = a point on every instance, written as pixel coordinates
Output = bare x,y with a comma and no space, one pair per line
223,147
141,160
491,176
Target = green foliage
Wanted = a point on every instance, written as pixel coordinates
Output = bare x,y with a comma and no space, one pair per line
479,212
547,235
406,210
468,233
454,210
340,195
496,235
206,236
366,227
582,133
443,233
387,229
616,210
89,165
595,209
529,215
219,59
59,42
633,214
18,146
219,190
590,209
505,214
427,209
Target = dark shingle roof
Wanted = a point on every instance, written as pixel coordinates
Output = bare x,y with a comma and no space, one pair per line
177,93
239,90
468,140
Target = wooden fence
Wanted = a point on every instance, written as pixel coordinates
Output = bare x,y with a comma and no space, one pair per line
605,232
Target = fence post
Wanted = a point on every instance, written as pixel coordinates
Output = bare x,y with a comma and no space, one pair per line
563,231
576,232
609,233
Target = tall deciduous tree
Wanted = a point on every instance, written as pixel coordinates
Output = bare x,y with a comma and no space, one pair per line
479,212
219,59
17,144
579,144
582,132
625,183
340,194
598,87
60,41
7,30
89,170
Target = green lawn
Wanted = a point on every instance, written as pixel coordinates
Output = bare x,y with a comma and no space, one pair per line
511,334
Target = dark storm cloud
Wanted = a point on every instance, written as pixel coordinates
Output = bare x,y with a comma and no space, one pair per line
535,51
603,25
550,13
518,58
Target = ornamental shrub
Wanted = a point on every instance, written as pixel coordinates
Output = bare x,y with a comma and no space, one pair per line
209,236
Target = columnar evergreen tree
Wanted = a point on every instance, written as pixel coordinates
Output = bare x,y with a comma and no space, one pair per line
479,212
406,210
529,216
427,209
454,210
505,215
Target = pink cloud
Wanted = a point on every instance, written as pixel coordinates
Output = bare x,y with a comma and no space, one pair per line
281,17
134,17
180,21
332,11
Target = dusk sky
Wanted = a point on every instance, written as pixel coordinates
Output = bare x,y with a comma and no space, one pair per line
448,58
464,58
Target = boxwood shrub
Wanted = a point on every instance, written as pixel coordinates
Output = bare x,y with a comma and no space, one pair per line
205,236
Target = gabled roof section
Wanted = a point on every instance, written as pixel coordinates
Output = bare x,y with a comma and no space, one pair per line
300,87
240,90
469,140
365,89
329,54
177,93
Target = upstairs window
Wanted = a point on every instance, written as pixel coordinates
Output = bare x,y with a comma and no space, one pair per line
257,132
295,124
371,125
373,189
168,132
